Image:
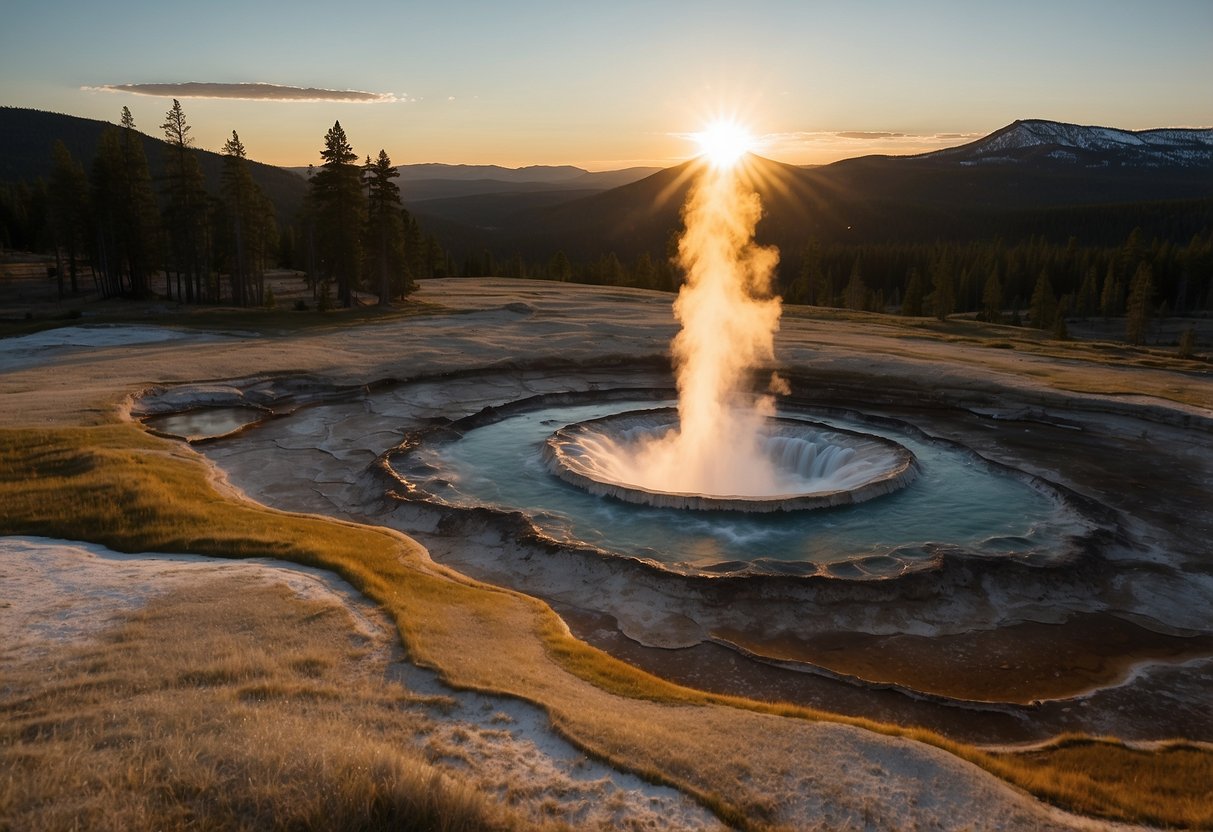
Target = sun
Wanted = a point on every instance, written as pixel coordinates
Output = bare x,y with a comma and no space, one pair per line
723,143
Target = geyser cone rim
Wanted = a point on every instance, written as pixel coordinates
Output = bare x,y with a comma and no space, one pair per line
560,454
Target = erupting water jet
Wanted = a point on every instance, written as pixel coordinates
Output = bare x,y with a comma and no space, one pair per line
724,450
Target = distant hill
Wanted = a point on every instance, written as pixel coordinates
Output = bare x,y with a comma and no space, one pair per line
1030,178
422,182
26,138
1035,141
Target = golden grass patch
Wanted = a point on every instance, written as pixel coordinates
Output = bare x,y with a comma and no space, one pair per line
1169,786
152,726
120,487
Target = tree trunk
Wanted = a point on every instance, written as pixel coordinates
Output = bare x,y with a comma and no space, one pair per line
59,271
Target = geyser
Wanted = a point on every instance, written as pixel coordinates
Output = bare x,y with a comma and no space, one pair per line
719,445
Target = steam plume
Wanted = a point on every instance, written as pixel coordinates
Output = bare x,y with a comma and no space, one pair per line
729,319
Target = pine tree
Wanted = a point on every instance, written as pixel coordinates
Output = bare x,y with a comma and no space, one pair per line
911,307
384,228
237,193
125,211
415,252
68,194
138,209
1088,296
1044,302
559,268
644,273
855,295
1141,296
991,298
185,210
1061,331
943,286
435,259
1112,294
1132,252
825,288
812,279
250,217
105,183
965,291
340,208
612,271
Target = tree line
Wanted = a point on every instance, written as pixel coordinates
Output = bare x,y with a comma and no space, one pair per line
113,220
354,231
116,227
1033,282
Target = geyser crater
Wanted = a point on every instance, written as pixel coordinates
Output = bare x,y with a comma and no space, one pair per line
795,464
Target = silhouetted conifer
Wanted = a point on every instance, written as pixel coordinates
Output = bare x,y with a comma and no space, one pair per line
385,229
1141,296
340,209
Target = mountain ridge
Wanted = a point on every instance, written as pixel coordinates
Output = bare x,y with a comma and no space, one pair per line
1062,142
27,135
975,190
1000,185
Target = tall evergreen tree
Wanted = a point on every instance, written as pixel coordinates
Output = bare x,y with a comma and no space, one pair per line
1088,295
415,251
1132,252
185,212
250,218
812,275
1044,302
1141,296
991,298
237,194
943,285
1060,330
855,295
340,208
385,228
559,267
140,209
106,197
644,273
1112,294
69,212
125,209
911,306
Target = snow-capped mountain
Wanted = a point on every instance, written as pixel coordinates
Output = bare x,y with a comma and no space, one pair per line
1053,141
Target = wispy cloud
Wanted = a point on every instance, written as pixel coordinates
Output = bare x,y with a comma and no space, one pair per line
251,92
867,134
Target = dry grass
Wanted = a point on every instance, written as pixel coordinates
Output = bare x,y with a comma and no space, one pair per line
117,486
1095,367
1091,775
236,707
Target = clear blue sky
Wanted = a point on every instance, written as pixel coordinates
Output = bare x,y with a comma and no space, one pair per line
608,84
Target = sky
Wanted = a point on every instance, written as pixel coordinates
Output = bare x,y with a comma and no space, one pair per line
609,84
